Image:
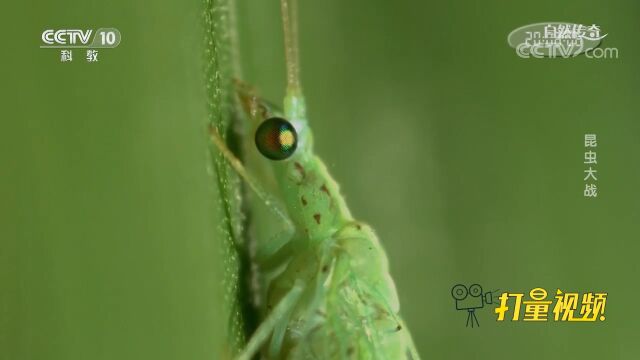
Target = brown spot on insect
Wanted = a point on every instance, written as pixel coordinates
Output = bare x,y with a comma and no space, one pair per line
399,327
358,226
303,200
300,169
382,310
325,268
325,190
317,217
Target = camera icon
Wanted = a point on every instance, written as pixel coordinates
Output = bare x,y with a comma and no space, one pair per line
471,299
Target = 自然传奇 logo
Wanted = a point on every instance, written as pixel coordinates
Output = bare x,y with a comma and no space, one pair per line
560,40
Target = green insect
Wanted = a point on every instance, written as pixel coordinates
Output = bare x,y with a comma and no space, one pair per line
327,292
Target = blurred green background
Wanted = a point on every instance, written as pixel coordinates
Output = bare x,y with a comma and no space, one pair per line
466,159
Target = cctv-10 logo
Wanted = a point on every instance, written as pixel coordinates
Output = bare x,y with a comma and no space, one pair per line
66,38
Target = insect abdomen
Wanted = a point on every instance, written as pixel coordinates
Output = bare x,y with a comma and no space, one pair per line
350,308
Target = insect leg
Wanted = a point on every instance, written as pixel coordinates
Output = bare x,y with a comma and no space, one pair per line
277,338
236,164
323,284
267,326
315,287
271,261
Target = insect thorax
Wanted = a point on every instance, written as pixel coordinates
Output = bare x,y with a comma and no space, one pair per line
312,197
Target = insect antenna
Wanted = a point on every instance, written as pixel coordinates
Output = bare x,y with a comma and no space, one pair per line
289,10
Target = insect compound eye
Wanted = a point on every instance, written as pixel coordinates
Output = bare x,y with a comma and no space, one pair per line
276,138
